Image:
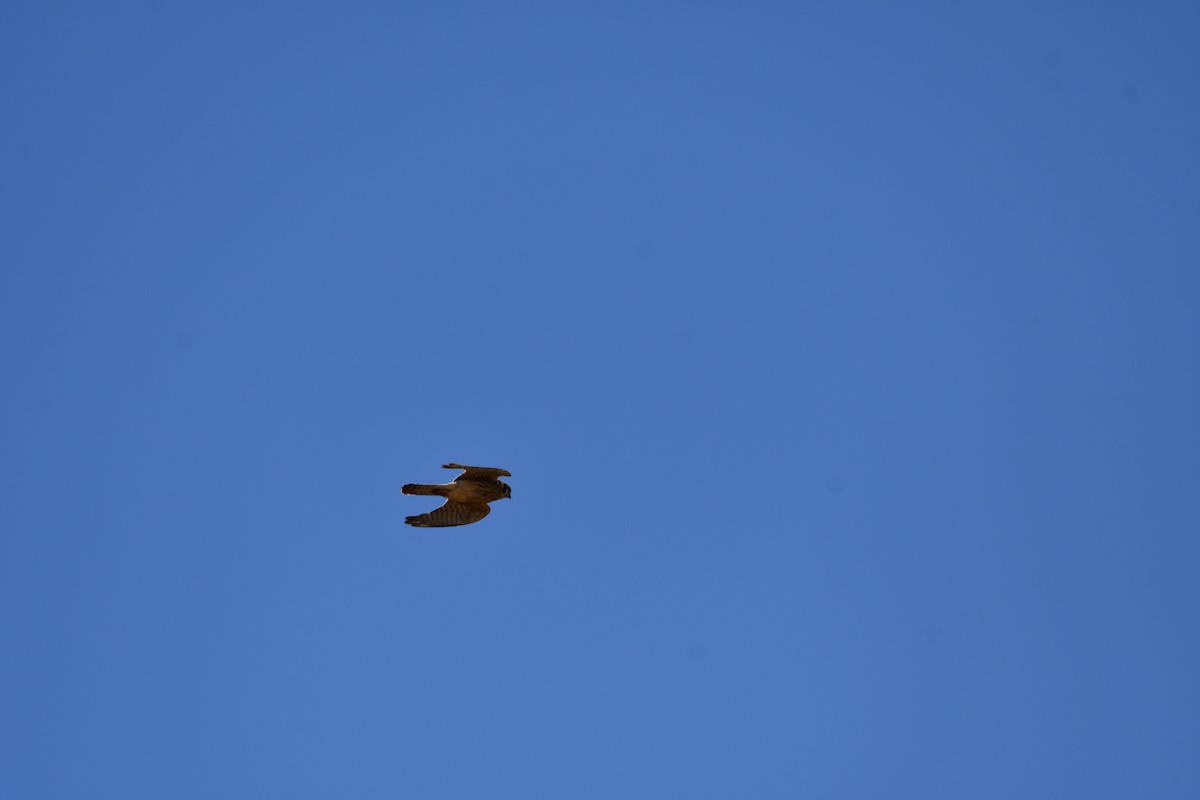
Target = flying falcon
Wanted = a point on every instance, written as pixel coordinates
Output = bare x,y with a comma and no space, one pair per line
467,497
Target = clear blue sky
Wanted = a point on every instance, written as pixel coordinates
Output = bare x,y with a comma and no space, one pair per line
844,357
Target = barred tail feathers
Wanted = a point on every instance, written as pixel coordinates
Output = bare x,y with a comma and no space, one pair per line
422,488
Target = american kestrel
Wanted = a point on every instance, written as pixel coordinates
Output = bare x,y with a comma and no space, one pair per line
467,497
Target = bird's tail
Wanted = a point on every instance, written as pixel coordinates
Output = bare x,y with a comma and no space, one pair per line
422,488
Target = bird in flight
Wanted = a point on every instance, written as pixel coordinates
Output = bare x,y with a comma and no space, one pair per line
467,497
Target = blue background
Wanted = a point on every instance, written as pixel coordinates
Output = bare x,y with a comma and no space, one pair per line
844,357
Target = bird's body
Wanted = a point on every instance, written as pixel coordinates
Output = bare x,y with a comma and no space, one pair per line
467,497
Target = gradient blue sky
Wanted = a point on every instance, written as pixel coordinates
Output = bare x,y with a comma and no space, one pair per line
844,357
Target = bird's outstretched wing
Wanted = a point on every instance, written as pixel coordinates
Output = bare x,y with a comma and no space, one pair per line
478,473
450,514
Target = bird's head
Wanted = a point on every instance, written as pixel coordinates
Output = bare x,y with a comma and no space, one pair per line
507,489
